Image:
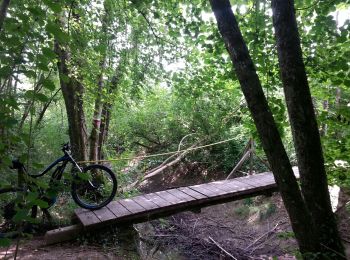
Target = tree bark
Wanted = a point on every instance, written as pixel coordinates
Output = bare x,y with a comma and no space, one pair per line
107,109
104,127
96,120
304,126
99,104
271,141
73,91
3,11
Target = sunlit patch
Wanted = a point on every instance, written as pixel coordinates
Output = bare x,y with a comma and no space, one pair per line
341,163
334,195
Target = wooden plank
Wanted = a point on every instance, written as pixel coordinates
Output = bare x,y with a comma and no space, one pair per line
248,180
181,195
257,181
227,187
201,189
169,197
234,187
158,200
104,214
215,189
132,206
88,218
118,209
81,210
144,202
266,180
238,186
192,193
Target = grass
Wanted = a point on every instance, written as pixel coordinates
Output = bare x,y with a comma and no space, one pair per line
251,206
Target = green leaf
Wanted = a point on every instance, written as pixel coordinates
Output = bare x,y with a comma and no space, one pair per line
347,82
5,242
31,94
5,71
20,215
43,66
41,97
29,73
37,11
41,183
53,5
32,196
56,31
41,203
49,53
83,176
49,84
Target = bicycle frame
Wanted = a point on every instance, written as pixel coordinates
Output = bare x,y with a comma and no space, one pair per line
57,174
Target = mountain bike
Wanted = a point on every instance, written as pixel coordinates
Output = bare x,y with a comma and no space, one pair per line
93,186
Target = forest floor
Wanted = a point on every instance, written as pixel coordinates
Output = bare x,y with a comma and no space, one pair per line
255,228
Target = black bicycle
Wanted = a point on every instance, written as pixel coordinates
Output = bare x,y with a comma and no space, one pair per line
93,186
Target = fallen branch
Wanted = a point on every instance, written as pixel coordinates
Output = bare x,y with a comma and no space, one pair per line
239,164
164,165
167,165
183,139
262,236
222,249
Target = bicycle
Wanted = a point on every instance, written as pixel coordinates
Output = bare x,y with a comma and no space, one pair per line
93,186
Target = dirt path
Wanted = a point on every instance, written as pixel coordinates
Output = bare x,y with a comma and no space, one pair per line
35,249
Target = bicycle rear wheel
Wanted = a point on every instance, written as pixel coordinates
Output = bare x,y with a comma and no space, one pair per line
95,187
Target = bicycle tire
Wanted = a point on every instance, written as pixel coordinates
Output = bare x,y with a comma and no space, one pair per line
81,187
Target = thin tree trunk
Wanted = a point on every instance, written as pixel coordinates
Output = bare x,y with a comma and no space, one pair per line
323,130
104,127
304,126
73,91
3,11
266,127
97,116
96,120
107,109
44,109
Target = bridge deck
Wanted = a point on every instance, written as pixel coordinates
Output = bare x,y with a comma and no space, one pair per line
154,205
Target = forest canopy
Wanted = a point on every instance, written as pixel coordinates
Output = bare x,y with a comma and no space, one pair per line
152,72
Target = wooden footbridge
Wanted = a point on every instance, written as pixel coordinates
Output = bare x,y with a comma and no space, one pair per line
164,203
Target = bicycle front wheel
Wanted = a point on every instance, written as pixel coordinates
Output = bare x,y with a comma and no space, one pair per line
95,187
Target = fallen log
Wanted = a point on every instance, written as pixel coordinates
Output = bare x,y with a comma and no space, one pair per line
62,234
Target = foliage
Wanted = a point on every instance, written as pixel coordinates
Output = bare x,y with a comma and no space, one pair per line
175,79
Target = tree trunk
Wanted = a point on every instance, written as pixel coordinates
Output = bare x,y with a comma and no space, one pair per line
99,105
104,127
3,11
107,108
73,91
304,126
96,120
271,141
44,109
